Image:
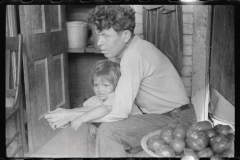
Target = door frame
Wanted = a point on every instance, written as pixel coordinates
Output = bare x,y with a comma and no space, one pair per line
12,29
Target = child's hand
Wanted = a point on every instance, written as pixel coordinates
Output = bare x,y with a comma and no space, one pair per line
76,123
92,130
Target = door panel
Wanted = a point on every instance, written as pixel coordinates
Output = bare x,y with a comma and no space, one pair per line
38,19
58,79
42,87
55,18
45,67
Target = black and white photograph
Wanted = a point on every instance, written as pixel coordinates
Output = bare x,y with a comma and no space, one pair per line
124,81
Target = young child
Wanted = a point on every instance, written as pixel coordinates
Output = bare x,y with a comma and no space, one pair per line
103,80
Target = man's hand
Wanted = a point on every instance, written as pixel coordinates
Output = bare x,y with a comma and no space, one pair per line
59,117
56,115
76,123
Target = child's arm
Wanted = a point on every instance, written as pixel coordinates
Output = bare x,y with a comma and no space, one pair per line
82,109
93,114
96,113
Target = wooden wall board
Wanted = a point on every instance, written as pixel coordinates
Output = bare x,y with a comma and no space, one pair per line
222,66
201,43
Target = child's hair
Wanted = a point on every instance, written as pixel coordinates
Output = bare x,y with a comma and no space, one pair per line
119,17
106,69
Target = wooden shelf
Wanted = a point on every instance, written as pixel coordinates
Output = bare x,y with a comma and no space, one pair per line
88,49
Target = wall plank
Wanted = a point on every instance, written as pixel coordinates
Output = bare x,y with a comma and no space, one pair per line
200,59
222,75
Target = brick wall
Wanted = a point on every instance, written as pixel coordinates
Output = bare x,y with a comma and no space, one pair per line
139,27
186,73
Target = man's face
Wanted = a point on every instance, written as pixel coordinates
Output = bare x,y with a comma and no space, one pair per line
111,43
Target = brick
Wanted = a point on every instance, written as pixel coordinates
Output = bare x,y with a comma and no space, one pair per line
189,91
187,60
138,28
187,39
187,18
187,8
138,8
187,81
187,50
186,71
188,28
138,18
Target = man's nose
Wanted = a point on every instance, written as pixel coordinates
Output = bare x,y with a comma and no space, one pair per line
99,41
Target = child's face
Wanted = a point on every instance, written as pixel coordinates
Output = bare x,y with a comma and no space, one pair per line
102,87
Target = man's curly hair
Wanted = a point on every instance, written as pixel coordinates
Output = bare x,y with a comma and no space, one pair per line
119,17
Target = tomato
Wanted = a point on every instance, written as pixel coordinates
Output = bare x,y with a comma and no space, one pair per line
166,151
202,125
155,143
206,152
210,132
217,158
180,131
231,136
224,129
220,143
189,158
230,151
217,126
189,153
178,145
167,134
196,140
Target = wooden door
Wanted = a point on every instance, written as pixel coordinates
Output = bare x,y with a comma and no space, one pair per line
222,65
45,67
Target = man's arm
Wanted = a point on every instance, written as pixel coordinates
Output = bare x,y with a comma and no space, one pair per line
62,116
127,88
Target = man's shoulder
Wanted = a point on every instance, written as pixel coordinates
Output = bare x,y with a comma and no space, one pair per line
142,44
140,47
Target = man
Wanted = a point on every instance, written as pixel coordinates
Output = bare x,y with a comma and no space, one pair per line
148,79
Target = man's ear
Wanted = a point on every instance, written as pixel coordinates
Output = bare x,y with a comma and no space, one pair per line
126,36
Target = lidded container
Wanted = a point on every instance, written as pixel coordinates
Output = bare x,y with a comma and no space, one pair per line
77,33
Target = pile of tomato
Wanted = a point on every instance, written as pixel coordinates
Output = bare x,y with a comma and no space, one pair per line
198,140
